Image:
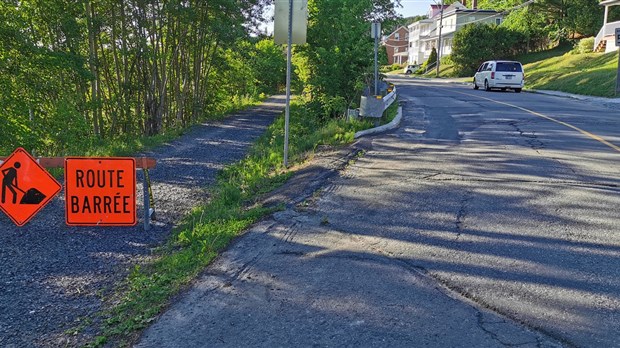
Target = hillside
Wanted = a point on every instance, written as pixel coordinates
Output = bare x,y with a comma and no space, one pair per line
587,74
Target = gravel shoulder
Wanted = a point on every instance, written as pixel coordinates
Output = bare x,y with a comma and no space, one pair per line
52,276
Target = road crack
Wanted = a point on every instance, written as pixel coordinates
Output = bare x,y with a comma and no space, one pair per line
462,213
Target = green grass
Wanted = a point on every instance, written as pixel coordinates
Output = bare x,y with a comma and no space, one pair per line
445,71
559,70
390,113
543,55
587,74
210,228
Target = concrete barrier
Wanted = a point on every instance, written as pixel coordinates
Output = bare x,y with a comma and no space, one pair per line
393,124
374,106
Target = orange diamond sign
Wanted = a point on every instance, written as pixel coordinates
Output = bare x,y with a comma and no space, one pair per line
26,187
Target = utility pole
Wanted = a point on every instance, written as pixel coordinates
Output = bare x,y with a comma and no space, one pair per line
439,39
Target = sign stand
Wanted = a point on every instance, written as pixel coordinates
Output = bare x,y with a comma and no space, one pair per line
295,33
148,196
375,33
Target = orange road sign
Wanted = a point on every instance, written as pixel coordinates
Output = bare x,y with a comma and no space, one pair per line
100,191
26,187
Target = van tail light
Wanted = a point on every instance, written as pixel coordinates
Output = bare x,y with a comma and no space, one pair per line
492,75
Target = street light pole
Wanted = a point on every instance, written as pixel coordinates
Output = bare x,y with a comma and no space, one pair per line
439,39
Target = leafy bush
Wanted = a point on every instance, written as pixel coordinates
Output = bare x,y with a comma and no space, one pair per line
583,46
447,60
393,67
476,43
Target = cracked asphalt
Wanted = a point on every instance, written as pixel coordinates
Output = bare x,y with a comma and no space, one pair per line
477,223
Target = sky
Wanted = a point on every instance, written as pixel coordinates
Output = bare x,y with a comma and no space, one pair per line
409,8
414,7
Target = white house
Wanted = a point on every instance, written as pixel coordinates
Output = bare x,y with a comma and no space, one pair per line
605,40
424,34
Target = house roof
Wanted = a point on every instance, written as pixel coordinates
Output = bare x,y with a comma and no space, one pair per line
397,29
436,9
609,2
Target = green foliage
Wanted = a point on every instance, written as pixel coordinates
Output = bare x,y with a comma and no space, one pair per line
393,67
393,24
76,75
534,27
474,44
339,56
546,23
583,46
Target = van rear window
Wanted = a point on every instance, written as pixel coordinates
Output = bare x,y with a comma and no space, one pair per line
508,66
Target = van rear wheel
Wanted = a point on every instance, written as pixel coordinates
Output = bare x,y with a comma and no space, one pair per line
486,85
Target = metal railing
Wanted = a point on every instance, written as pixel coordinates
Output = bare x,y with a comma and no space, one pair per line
607,30
430,67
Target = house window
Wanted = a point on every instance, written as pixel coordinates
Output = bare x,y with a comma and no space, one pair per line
498,21
397,36
395,49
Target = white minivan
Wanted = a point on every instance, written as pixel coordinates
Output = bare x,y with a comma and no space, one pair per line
502,74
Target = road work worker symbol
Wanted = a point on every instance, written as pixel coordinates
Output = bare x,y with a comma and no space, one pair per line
26,187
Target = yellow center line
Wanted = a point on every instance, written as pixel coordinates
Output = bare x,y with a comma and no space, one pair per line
586,133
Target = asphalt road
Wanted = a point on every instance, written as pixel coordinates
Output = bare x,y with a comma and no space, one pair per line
488,219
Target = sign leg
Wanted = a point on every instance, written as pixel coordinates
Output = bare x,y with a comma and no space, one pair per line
147,208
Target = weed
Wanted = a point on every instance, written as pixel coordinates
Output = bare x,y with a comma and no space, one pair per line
324,220
207,230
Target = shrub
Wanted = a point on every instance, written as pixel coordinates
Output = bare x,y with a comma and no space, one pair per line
476,43
583,46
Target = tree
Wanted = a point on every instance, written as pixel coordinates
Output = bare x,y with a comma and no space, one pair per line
73,72
338,59
475,43
432,59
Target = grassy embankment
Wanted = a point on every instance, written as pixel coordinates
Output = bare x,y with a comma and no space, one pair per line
560,70
210,228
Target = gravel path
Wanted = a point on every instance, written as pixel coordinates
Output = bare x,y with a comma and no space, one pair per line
52,275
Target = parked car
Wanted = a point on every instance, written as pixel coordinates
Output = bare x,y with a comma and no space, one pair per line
502,74
411,68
